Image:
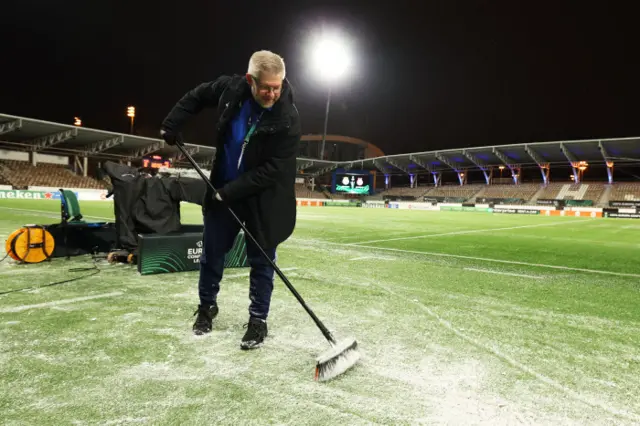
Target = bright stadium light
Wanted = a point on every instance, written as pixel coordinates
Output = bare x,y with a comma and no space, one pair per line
331,58
331,61
131,113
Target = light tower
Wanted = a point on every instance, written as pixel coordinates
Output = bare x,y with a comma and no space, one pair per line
131,113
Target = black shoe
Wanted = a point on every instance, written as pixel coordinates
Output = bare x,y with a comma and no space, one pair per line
256,332
204,321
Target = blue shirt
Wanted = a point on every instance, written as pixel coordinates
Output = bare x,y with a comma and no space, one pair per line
238,128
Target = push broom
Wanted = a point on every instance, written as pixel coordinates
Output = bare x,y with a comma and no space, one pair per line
343,354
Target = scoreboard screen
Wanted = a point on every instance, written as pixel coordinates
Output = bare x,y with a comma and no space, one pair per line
155,162
352,184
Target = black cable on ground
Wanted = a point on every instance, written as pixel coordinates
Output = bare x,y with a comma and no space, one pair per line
95,270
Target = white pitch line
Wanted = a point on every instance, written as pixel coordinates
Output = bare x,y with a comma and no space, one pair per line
508,262
51,213
472,231
59,302
246,274
365,257
514,363
489,271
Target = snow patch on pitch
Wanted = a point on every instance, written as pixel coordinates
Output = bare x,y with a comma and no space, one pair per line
456,392
440,386
414,384
126,421
160,371
48,404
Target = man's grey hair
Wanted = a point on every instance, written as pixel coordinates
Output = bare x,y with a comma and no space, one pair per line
266,61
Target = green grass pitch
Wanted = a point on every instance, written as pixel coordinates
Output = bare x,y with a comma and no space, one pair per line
462,318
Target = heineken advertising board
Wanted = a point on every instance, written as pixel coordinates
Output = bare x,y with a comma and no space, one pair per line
465,209
18,194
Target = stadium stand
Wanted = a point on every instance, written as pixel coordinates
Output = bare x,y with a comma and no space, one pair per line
4,180
551,190
627,191
402,191
302,191
569,191
21,175
326,193
594,191
524,191
455,191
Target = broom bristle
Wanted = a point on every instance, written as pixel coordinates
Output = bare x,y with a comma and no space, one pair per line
337,360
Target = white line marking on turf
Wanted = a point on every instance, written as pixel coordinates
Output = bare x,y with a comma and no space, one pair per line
489,271
508,262
246,274
471,231
59,302
367,257
504,357
51,213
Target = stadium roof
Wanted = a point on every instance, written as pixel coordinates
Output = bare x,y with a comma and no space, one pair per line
594,151
26,134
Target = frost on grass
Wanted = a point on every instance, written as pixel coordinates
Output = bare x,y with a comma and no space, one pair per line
48,404
160,371
126,421
412,370
132,317
457,393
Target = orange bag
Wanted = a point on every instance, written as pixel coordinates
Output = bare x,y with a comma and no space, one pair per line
30,244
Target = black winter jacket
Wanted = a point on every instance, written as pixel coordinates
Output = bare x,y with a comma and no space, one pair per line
264,195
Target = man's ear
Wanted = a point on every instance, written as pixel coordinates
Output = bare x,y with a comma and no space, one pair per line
249,78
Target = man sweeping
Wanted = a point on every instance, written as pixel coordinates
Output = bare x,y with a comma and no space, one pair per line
254,169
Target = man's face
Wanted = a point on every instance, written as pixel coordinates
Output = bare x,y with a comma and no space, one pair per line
266,89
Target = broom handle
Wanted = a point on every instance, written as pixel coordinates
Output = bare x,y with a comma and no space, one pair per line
321,326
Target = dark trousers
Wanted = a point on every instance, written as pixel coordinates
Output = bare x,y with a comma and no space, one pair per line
220,231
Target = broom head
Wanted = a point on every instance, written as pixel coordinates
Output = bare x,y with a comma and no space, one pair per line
335,361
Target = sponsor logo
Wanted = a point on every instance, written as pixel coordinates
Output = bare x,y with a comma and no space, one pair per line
464,209
623,215
18,194
516,211
624,203
194,253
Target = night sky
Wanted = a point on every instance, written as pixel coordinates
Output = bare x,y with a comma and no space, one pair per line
445,74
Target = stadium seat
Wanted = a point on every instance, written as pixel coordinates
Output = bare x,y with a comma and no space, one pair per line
22,175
